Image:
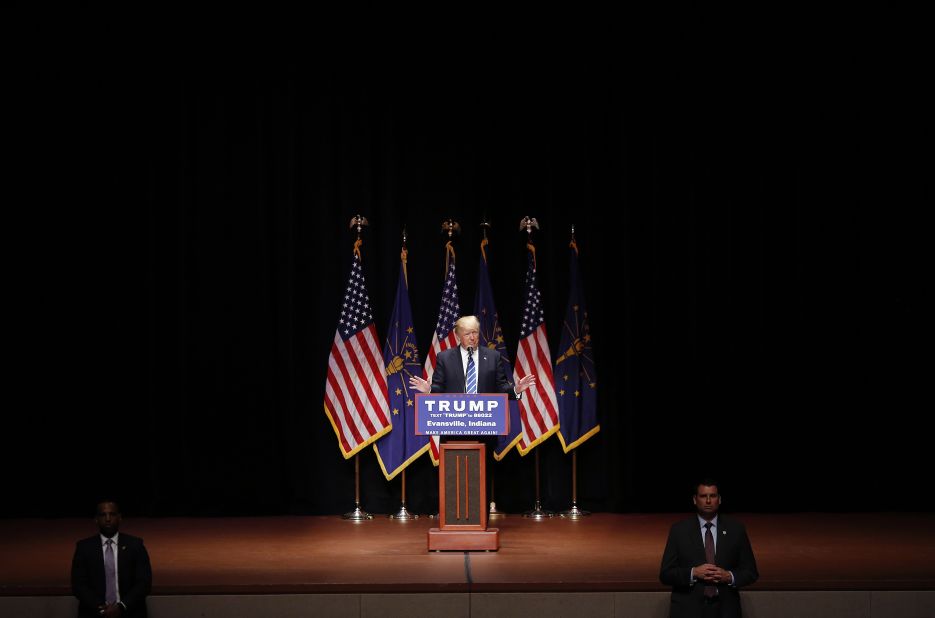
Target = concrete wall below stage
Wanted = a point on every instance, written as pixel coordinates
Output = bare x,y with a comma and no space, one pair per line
756,604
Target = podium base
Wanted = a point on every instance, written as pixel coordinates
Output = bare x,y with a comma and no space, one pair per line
464,540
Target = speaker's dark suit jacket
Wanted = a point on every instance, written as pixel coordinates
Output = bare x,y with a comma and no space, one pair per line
134,575
491,378
685,549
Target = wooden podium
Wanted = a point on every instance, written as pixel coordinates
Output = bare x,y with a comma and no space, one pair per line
462,500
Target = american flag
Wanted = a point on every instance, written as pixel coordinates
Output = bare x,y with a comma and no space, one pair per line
355,391
538,409
444,337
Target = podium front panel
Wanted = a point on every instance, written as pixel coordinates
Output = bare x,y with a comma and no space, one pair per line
463,486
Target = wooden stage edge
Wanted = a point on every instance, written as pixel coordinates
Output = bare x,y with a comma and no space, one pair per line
600,553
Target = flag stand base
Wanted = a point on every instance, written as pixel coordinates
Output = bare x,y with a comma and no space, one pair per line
357,514
403,514
574,512
538,512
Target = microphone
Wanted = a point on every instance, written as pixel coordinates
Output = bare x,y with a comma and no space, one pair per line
470,350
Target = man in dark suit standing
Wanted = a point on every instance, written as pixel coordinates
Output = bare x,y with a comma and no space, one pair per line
707,559
454,367
110,572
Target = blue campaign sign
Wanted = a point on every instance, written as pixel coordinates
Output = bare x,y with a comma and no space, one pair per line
458,414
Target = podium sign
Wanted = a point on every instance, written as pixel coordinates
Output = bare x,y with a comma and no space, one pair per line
460,414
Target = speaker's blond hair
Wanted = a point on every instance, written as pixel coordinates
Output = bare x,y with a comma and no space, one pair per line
465,322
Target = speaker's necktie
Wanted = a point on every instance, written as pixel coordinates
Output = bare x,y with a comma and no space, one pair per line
709,591
110,573
471,381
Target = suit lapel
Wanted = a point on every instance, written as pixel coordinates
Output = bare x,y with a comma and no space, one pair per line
458,370
98,557
482,363
122,562
724,536
698,541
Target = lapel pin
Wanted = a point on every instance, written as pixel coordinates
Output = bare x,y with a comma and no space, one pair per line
723,531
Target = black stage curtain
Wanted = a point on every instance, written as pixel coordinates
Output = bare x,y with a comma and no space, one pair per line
748,250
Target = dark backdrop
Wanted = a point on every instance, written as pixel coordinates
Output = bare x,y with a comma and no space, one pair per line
749,241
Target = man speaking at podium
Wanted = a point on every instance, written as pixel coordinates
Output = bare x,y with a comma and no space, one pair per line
465,369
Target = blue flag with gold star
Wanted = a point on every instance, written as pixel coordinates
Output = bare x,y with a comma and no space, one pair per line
575,378
491,336
401,446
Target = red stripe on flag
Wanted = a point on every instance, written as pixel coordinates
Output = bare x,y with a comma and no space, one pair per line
332,412
429,368
355,390
372,378
355,400
544,364
438,346
534,403
338,408
363,407
349,387
539,409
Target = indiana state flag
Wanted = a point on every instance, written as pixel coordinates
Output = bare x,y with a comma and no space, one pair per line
491,336
575,378
401,446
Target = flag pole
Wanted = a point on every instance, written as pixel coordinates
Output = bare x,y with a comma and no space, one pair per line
493,512
537,511
450,228
358,514
574,512
403,513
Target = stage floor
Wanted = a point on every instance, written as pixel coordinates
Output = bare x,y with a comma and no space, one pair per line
603,552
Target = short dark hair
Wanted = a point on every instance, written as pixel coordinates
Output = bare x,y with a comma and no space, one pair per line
106,501
708,482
